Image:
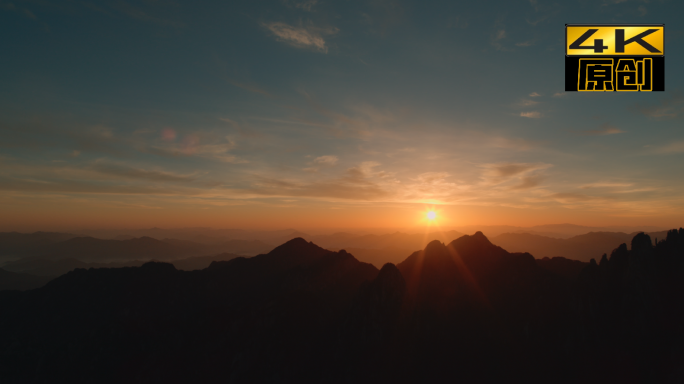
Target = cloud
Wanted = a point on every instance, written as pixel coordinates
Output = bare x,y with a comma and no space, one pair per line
326,160
514,143
430,187
642,10
306,5
499,173
559,94
528,103
250,88
361,171
675,147
606,129
668,107
137,173
139,14
207,145
534,94
343,125
355,184
570,198
528,182
457,22
525,43
531,114
504,170
496,38
605,184
87,187
29,14
301,37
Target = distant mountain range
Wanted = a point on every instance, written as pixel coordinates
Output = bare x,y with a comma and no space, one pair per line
58,246
582,247
275,237
21,281
463,311
60,252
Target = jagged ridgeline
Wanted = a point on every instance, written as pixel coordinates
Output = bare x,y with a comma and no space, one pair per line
467,311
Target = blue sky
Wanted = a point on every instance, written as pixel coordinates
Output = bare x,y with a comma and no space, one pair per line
320,113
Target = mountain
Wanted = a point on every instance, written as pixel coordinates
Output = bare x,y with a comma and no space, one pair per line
92,249
20,281
561,266
395,240
460,311
89,249
582,247
21,244
247,318
379,257
558,231
208,236
54,268
201,262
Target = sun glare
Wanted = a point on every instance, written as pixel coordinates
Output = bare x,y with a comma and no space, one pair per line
431,215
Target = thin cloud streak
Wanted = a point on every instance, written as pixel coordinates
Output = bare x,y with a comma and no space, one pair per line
301,37
606,129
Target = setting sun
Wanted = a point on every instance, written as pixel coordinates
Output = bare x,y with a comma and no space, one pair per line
431,215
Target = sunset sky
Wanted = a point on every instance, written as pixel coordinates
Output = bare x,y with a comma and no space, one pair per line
327,114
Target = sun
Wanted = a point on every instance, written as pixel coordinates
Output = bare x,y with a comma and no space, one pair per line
431,215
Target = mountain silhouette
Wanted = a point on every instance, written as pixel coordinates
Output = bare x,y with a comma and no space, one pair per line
21,244
582,247
20,281
89,249
466,311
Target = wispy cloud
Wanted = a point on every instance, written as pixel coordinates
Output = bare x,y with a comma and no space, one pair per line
301,37
570,197
606,129
207,145
531,114
250,88
320,162
499,173
129,172
142,15
606,184
528,182
675,147
357,183
534,94
306,5
514,143
527,102
669,107
326,160
86,187
496,38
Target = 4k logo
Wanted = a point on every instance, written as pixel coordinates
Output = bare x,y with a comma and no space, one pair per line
615,58
615,40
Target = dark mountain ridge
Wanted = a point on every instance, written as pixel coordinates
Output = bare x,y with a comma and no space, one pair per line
581,247
20,281
90,249
464,311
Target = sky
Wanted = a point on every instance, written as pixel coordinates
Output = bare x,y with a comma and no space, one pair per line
327,114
